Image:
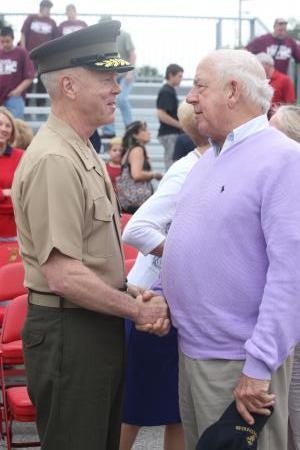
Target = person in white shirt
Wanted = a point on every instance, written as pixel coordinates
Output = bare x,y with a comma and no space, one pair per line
152,375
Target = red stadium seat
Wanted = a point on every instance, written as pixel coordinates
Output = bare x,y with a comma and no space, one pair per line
11,283
129,251
16,402
9,253
124,219
128,265
11,344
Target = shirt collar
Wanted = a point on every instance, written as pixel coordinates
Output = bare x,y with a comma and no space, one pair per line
84,150
238,134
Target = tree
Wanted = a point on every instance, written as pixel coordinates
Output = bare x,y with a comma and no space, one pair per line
149,73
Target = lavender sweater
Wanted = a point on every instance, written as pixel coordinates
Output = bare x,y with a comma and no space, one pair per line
231,263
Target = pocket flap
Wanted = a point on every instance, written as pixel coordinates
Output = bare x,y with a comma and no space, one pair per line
32,339
103,209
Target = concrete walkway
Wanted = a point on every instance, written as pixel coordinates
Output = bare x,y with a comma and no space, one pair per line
150,438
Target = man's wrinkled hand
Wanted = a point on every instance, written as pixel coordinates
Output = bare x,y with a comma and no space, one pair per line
134,290
161,327
252,396
153,315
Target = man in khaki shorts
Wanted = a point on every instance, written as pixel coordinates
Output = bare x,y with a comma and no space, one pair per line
68,227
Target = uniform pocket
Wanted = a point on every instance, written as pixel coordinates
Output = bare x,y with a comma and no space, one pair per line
32,339
102,222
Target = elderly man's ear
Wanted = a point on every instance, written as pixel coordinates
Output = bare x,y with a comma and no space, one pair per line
233,93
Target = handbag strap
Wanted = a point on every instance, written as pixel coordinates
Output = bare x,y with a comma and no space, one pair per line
126,163
277,49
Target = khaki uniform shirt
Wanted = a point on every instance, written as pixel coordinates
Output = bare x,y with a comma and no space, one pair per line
63,199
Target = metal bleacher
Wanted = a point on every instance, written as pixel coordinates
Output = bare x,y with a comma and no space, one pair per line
142,99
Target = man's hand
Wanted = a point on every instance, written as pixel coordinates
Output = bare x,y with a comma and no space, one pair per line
134,290
252,396
153,316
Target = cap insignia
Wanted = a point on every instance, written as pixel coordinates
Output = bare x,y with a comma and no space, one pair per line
112,62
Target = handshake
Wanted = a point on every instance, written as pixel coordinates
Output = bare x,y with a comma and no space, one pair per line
152,313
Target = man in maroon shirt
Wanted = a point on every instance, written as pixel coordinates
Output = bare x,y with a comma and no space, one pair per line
36,30
16,73
72,24
284,91
278,44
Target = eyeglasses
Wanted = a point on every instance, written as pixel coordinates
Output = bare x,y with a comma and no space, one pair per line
281,23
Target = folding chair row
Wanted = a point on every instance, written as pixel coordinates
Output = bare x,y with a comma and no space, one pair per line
16,402
11,283
9,253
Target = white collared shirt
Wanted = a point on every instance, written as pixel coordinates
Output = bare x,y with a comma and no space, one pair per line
238,134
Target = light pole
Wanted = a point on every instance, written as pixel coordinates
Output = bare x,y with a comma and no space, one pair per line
240,24
240,20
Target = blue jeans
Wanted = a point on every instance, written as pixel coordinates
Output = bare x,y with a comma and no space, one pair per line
123,104
16,106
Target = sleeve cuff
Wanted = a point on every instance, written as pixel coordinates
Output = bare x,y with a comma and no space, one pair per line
144,244
70,251
256,368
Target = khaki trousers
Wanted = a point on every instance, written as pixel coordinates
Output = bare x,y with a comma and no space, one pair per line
206,389
294,403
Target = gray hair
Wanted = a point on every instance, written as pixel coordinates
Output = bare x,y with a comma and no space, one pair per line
50,81
187,119
244,67
288,118
264,58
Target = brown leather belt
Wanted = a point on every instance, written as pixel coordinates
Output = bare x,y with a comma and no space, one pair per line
49,300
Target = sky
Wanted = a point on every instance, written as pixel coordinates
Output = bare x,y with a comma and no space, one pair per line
160,41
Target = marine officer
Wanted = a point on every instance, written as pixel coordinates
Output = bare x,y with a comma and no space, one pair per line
68,227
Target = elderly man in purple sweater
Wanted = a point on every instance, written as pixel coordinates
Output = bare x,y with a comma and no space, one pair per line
230,269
